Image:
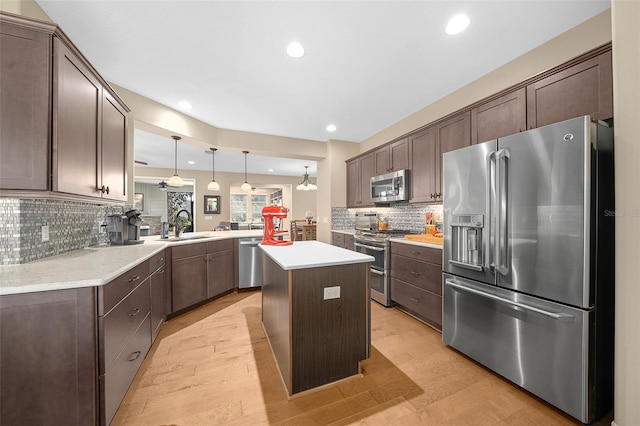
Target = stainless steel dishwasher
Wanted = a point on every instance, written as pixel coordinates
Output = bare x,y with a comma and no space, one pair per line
249,262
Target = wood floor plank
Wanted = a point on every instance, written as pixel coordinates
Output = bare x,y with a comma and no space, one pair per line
213,365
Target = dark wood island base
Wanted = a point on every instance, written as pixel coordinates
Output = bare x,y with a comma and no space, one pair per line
317,318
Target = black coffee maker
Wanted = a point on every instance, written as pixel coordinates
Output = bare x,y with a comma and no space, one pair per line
125,229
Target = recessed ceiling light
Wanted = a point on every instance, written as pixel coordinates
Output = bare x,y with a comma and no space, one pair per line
184,105
457,24
270,170
295,50
331,128
191,162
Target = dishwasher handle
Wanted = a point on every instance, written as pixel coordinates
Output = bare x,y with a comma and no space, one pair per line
253,243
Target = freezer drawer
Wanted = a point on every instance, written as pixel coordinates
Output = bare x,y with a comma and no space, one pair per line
541,346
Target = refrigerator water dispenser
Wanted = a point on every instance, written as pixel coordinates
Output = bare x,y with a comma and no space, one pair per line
466,241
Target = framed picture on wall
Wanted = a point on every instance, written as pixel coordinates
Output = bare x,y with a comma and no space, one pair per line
138,201
211,204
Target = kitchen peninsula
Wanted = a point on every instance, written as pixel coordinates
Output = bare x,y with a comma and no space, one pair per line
316,312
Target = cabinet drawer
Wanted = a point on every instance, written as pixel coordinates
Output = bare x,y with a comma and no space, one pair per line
188,250
424,304
420,274
221,245
413,251
112,293
122,322
156,262
349,241
115,383
337,239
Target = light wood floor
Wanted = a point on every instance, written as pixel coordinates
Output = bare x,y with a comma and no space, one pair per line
214,366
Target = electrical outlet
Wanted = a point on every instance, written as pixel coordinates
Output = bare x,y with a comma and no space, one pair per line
45,233
332,293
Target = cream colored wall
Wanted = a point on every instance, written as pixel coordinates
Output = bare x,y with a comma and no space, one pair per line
592,33
300,201
24,7
332,188
626,97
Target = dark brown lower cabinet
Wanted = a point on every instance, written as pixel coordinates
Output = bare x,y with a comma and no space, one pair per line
200,272
48,347
416,281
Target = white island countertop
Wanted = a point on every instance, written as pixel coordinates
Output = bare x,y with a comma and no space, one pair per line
312,254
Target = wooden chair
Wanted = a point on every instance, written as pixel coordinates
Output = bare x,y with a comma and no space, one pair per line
300,231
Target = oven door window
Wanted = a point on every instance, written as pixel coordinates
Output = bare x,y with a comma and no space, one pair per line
376,252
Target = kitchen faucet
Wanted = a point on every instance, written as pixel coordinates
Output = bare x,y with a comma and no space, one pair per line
178,226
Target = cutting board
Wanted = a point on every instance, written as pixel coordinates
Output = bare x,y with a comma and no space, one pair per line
424,238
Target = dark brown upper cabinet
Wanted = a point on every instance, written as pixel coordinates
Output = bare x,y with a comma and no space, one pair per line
64,129
499,117
392,157
585,88
360,170
25,110
426,149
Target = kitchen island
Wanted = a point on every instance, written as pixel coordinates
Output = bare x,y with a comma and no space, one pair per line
316,312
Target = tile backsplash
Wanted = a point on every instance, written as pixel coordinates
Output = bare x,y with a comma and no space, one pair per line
399,216
71,226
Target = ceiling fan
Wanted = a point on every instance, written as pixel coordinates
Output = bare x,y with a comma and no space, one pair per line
162,185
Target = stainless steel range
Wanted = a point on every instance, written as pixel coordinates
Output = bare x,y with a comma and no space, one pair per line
369,240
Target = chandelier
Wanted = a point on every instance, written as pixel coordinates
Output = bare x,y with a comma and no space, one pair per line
306,184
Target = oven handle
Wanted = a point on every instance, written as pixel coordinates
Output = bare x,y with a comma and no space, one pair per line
369,247
375,271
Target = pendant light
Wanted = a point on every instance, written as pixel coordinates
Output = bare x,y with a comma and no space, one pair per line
213,185
245,186
306,184
176,180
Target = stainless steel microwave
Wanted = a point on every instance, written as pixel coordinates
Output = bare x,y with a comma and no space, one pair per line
390,187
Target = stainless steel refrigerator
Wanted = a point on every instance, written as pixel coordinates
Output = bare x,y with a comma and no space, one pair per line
528,261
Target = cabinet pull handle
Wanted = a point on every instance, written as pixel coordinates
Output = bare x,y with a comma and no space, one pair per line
134,278
134,356
101,189
415,274
416,301
107,189
161,271
161,260
135,312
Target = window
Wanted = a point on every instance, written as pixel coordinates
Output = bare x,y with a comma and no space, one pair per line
247,208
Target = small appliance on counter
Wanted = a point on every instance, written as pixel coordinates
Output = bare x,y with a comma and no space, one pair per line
270,213
125,229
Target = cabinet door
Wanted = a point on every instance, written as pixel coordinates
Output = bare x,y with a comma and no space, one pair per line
366,173
382,160
422,154
585,88
25,81
77,107
48,347
353,183
188,281
158,300
500,117
113,149
452,134
220,273
399,153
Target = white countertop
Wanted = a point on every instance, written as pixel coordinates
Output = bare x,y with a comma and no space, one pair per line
95,266
416,243
312,254
345,231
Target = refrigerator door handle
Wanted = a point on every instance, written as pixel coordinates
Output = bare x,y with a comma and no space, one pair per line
502,180
559,316
466,265
490,246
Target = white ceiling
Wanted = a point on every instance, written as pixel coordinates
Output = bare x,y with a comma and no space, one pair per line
367,65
